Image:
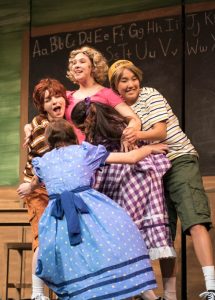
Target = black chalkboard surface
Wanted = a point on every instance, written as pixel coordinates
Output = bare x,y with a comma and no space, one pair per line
200,86
154,43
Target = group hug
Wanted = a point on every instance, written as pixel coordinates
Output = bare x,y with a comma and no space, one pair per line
109,171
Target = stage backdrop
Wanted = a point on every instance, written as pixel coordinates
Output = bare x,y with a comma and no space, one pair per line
172,61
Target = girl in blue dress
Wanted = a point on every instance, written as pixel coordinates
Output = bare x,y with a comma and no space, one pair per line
89,247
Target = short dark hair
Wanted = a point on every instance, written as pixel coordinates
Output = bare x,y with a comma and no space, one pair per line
60,133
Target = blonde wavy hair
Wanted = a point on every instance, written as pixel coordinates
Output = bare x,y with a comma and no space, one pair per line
99,63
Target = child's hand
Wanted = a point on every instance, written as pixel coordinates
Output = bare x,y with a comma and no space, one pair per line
158,148
130,134
28,131
126,147
24,189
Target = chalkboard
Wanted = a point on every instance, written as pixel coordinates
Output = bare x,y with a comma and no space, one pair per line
200,87
154,42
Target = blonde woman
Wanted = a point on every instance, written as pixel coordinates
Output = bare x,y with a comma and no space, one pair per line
88,69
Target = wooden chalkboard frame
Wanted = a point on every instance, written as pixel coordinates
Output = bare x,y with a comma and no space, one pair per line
84,25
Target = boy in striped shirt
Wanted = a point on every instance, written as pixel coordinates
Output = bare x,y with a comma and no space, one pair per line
183,185
49,98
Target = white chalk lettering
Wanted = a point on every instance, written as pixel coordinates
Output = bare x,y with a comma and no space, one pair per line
209,18
213,47
164,49
84,37
196,48
203,48
69,42
151,26
36,49
98,36
193,49
128,54
152,54
144,51
112,54
174,52
170,24
122,48
56,43
118,33
45,51
135,32
53,44
194,24
106,37
158,28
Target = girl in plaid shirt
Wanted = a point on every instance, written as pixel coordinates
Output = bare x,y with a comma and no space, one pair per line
137,188
184,191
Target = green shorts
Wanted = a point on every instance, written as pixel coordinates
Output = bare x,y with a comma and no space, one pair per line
185,194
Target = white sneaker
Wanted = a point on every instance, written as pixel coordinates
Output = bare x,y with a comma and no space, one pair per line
209,295
40,297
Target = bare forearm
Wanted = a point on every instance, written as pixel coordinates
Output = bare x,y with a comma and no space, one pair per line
139,154
128,157
135,123
126,111
158,132
136,155
151,135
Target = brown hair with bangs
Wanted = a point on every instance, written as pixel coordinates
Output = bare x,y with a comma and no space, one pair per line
115,79
53,86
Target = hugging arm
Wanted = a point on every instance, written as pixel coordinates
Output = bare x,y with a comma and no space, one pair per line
136,155
134,121
157,132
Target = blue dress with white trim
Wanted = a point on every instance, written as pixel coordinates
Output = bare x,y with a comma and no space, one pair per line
89,246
